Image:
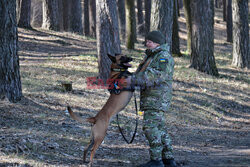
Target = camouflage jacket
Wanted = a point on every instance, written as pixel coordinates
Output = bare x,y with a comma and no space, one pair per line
155,81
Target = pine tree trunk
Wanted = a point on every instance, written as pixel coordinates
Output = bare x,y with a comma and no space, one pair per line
86,26
122,18
147,6
202,47
175,37
18,9
50,15
162,18
10,81
224,10
140,18
178,8
187,12
229,22
180,3
131,24
76,17
241,53
24,20
60,17
92,18
66,15
216,3
107,33
36,13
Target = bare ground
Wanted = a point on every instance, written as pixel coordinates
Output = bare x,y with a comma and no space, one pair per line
209,121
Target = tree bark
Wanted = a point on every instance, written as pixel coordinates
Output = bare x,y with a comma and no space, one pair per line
180,3
10,80
162,18
18,9
187,12
216,3
224,10
122,18
241,53
24,20
50,15
178,8
140,18
108,40
202,46
229,22
60,16
36,13
66,15
86,18
147,6
131,24
92,16
175,37
76,17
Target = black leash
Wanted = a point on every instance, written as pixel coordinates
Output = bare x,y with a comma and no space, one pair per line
136,124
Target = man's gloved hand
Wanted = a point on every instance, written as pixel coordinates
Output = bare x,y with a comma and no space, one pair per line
126,82
149,52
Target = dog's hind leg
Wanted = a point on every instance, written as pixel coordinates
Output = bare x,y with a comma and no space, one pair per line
97,142
90,145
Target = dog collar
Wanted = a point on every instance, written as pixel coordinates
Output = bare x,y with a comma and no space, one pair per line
118,69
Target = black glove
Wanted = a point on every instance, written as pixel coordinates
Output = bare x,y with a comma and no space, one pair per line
150,52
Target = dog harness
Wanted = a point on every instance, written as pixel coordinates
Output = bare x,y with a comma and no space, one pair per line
115,85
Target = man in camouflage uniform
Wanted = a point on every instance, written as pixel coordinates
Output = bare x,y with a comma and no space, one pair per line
154,77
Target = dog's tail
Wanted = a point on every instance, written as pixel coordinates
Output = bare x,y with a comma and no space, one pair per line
77,118
74,116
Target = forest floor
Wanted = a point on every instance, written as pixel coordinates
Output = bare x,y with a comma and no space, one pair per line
209,121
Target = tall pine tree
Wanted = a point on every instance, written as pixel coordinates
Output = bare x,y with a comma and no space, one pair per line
108,40
131,24
202,40
10,81
241,55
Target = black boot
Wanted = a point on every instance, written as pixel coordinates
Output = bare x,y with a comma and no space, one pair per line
169,163
152,163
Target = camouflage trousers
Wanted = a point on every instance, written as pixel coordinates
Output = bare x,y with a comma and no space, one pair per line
154,127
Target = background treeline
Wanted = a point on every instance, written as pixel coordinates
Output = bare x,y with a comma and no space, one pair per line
140,16
114,21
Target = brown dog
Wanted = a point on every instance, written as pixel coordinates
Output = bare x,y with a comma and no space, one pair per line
115,103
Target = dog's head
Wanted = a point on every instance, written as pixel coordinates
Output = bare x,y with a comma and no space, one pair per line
121,60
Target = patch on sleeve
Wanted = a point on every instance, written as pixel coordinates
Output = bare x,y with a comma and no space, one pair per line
162,60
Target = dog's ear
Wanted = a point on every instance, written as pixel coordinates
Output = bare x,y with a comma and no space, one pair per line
112,58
